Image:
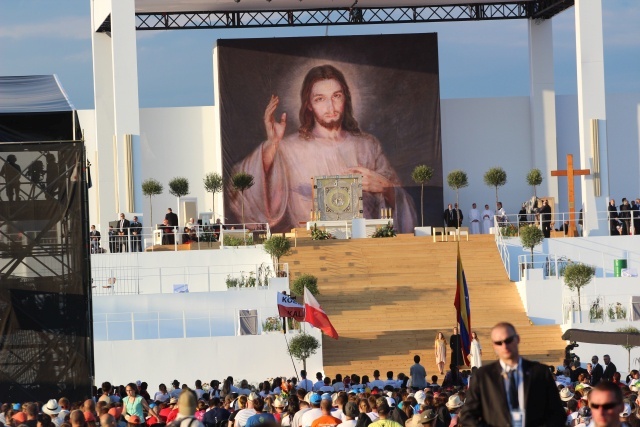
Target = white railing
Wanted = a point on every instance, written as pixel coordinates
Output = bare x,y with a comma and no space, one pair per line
167,325
163,238
502,248
113,279
596,309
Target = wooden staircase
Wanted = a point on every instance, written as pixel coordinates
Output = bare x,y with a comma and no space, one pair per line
387,298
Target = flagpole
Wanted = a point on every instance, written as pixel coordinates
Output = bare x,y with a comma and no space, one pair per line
289,351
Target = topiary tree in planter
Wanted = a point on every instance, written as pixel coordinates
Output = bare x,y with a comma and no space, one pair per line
179,187
422,174
530,237
277,246
577,276
305,281
534,178
242,181
213,184
631,331
457,179
495,177
302,347
150,188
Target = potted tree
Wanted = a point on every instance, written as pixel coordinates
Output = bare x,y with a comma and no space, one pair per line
456,180
422,174
577,276
277,246
495,177
179,187
629,330
530,237
150,188
242,181
302,347
213,184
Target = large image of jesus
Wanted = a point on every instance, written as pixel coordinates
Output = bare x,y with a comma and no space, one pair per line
329,141
292,109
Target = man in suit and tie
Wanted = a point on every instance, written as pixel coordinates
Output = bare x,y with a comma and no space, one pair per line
122,232
512,391
609,368
135,229
596,371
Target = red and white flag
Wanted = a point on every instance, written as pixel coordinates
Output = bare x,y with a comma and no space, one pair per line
315,315
288,307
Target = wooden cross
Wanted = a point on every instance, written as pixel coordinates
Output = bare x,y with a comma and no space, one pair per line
570,173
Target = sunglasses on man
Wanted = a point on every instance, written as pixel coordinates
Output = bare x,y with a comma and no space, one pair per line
505,341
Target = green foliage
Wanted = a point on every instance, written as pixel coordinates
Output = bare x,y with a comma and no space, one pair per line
530,237
318,234
457,179
277,246
495,177
179,186
229,240
509,230
246,280
271,324
534,177
242,181
577,275
213,184
617,312
302,347
631,331
385,231
151,187
305,281
422,174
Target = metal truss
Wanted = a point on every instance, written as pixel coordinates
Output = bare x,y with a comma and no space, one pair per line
541,9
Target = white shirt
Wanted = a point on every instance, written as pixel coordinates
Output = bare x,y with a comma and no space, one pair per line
376,383
350,423
326,389
310,416
520,382
306,384
295,422
243,415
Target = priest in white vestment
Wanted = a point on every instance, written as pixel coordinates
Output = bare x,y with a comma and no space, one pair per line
487,219
328,142
474,220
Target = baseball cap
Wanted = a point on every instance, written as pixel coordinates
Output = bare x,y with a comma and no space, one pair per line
315,399
326,396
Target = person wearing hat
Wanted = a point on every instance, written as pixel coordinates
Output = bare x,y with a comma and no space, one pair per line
314,413
384,410
566,395
278,407
453,405
52,408
326,419
427,418
18,418
350,414
511,390
243,415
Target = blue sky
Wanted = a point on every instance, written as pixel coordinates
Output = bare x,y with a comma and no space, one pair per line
477,59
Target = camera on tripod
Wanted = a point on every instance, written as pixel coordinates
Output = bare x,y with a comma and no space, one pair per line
569,355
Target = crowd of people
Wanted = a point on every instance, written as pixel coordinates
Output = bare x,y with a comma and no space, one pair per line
480,222
511,391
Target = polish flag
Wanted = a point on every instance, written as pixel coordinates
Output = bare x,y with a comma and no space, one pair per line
315,315
288,307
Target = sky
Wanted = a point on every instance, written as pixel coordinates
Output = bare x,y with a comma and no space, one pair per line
175,68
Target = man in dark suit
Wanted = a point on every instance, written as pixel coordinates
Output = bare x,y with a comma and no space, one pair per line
135,229
596,371
122,232
172,218
545,218
512,390
609,368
